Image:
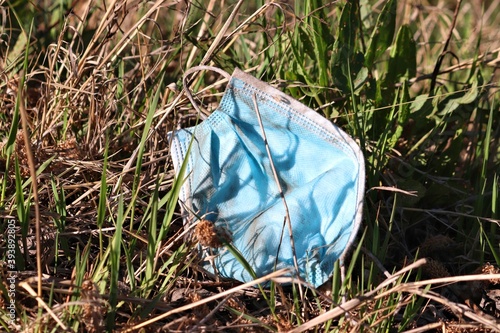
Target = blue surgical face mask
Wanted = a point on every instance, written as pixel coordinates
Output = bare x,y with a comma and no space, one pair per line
229,181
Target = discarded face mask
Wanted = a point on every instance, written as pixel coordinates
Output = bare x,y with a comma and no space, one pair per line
230,182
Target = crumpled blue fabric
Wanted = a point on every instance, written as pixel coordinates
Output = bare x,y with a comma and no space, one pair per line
229,181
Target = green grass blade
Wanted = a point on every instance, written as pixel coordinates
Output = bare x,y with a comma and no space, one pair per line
382,35
153,241
344,46
114,264
102,205
402,62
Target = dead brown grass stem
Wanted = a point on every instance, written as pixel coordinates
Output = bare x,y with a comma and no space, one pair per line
41,302
122,43
205,60
214,46
356,302
112,179
453,279
252,18
287,219
414,288
460,309
217,41
426,328
34,183
202,30
208,299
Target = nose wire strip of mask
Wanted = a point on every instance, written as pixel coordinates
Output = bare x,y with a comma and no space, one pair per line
185,83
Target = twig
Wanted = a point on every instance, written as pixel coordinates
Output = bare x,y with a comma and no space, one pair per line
287,219
445,49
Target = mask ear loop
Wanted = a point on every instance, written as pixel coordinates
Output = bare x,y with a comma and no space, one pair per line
189,95
185,83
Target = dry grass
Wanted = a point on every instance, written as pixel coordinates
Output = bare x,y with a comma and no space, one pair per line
102,85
